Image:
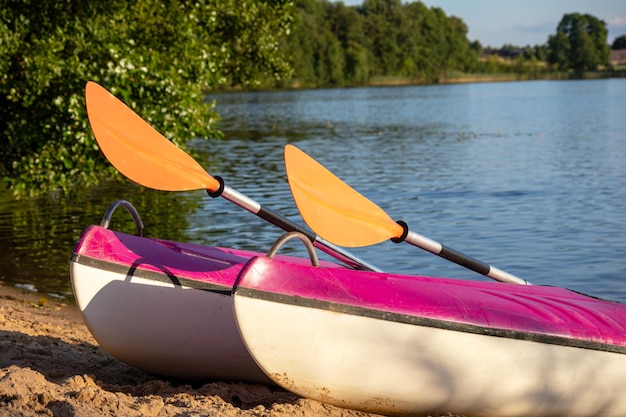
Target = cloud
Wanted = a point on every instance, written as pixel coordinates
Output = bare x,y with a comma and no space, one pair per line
616,26
617,22
535,27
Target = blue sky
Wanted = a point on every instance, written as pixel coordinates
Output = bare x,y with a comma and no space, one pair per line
525,22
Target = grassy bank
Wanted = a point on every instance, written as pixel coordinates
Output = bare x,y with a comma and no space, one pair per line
457,77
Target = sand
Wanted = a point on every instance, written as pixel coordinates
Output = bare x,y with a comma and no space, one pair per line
50,365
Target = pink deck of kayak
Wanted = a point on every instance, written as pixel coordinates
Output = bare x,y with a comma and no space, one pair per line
538,310
514,310
201,263
191,262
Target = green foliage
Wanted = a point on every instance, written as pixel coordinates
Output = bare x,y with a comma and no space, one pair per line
333,44
580,43
158,57
347,25
408,42
315,52
619,42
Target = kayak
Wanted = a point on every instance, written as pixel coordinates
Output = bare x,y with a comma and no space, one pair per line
162,306
397,344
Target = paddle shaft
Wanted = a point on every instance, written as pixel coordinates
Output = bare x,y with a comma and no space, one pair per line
452,255
287,225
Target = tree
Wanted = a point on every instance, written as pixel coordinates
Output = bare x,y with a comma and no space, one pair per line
159,57
461,55
436,41
414,59
382,20
347,26
580,43
619,42
315,52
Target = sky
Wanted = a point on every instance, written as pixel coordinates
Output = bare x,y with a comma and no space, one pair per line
525,22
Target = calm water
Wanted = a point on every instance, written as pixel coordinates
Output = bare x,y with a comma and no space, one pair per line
529,177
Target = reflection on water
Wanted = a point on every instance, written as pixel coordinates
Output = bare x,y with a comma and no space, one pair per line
37,235
528,176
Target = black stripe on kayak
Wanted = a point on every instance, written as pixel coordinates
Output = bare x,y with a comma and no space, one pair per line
427,322
162,276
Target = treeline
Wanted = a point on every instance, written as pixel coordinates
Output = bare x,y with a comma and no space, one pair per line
332,44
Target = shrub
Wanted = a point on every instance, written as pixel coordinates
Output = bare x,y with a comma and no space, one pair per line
158,57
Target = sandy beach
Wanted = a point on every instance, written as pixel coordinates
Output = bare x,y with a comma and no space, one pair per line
50,365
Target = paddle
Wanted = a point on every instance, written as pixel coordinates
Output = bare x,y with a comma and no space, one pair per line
146,157
341,215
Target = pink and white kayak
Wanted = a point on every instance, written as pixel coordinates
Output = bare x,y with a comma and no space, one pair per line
398,345
162,306
384,343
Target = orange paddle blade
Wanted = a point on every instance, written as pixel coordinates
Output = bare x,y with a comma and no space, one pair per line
137,150
334,210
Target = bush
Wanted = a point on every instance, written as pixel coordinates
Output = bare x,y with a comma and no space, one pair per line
158,57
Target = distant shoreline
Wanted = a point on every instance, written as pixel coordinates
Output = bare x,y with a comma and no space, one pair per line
465,78
503,77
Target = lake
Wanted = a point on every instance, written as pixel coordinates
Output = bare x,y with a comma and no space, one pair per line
527,176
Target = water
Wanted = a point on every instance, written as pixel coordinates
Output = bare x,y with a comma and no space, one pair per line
527,176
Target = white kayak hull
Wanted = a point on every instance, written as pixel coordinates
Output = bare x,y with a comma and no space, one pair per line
163,328
358,355
398,369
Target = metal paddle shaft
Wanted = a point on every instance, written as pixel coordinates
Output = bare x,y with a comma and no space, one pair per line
287,225
146,157
341,215
458,258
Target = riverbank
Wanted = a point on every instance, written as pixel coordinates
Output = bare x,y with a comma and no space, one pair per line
453,77
50,365
456,77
